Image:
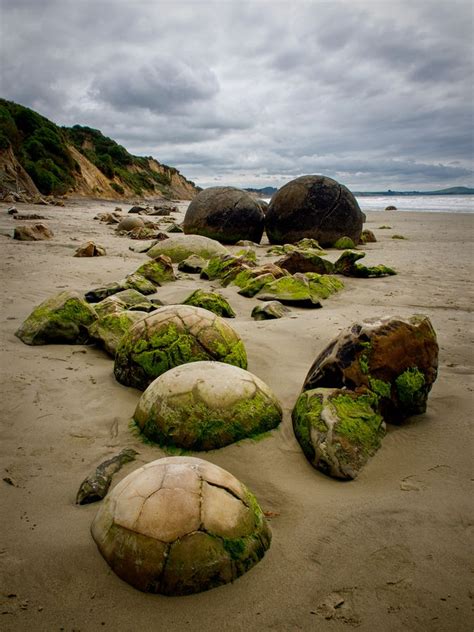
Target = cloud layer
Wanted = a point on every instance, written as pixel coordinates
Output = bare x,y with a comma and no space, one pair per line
375,94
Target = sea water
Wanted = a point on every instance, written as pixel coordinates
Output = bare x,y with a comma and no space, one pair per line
427,203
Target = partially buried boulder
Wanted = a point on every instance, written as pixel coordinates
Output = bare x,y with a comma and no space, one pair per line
338,430
36,232
206,405
174,335
129,223
396,358
125,300
213,301
269,311
63,318
179,247
301,290
193,264
346,265
305,261
226,214
158,271
317,207
180,525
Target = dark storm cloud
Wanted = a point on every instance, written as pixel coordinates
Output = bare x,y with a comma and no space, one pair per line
375,93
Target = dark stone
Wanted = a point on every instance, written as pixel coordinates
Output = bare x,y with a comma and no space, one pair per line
313,206
137,209
226,214
305,261
96,486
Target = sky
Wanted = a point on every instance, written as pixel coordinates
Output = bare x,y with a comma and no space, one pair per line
376,94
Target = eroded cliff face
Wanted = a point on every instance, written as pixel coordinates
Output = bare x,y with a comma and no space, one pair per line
13,178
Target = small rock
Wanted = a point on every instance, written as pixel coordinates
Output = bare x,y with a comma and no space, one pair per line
391,208
271,310
37,232
90,249
96,486
12,210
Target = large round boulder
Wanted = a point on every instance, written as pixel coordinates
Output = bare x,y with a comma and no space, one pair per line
180,247
206,405
180,525
174,335
396,358
317,207
129,223
226,214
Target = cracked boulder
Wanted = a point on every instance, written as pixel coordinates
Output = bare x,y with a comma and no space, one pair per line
317,207
396,358
174,335
227,214
338,430
206,405
180,525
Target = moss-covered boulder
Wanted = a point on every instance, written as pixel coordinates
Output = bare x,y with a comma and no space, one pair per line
367,237
308,260
63,318
206,405
227,214
344,243
255,284
395,357
213,301
179,247
158,271
180,525
130,300
317,207
174,335
269,311
249,274
108,330
346,265
98,294
225,267
302,290
338,430
140,283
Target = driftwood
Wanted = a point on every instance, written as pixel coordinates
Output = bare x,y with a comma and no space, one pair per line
96,486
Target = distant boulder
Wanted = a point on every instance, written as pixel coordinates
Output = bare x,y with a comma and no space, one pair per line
129,223
391,208
90,249
313,206
226,214
37,232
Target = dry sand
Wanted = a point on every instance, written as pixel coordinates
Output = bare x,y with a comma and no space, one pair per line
391,548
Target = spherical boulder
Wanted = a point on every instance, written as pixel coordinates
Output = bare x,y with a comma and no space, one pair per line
206,405
129,223
174,335
313,206
226,214
180,525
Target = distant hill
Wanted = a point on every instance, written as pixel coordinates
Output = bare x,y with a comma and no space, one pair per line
265,192
449,191
39,157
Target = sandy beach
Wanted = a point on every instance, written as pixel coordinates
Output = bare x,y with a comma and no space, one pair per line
390,549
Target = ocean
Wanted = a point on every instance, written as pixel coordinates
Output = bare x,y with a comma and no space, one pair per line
424,203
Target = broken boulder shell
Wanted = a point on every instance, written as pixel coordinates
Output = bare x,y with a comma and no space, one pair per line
394,357
180,525
206,405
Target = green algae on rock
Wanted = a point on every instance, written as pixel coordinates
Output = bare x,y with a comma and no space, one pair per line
213,301
63,318
174,335
158,271
344,243
180,525
130,300
108,330
206,405
394,357
180,247
299,260
338,430
304,290
346,265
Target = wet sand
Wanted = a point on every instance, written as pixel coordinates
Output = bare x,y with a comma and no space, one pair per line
390,549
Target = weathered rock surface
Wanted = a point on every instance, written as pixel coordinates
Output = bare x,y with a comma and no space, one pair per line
96,486
226,214
179,247
301,290
346,265
317,207
213,301
338,430
367,237
125,300
109,329
63,318
305,261
37,232
90,249
129,223
158,271
174,335
394,357
269,311
206,405
180,525
193,264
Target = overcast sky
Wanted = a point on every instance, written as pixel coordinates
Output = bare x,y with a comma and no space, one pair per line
376,94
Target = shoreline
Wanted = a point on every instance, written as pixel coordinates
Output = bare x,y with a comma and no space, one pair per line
393,544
